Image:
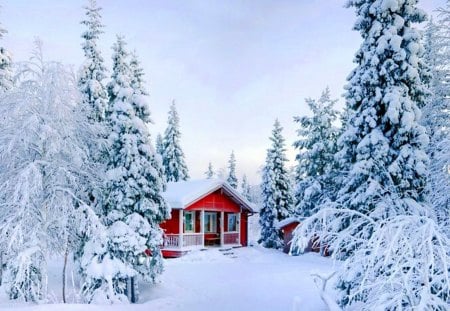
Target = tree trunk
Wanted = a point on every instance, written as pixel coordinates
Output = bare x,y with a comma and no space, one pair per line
66,255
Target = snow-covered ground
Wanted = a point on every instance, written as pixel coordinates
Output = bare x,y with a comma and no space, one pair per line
250,278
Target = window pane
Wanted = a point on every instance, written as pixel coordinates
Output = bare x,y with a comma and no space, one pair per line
210,222
188,222
232,222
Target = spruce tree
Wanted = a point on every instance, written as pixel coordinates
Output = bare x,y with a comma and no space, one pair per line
383,145
232,179
315,172
277,201
92,106
245,189
159,145
134,207
210,172
94,98
175,168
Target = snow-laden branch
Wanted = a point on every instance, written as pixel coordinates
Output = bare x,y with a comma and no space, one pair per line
397,263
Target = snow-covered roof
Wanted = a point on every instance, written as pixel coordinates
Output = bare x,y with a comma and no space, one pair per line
287,221
181,194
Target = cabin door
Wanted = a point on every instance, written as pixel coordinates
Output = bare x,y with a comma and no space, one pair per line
211,228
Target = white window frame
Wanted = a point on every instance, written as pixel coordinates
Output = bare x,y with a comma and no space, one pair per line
192,222
212,220
236,223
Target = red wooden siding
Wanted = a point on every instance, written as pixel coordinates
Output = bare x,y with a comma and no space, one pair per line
215,201
172,225
244,227
287,234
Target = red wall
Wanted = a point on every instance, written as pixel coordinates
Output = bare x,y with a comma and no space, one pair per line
288,231
215,201
172,225
244,226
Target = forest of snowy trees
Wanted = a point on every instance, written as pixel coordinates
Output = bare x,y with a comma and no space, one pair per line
79,173
376,191
81,177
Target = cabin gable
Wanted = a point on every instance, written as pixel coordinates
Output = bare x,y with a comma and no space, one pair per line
217,201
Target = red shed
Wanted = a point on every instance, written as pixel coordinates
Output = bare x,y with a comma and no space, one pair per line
205,213
287,226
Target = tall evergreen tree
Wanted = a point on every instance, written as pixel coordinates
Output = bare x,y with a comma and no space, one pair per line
210,172
175,168
245,188
159,145
277,201
231,178
94,98
383,145
134,207
92,106
315,172
383,142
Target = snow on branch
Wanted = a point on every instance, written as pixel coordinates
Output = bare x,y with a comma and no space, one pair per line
331,227
397,263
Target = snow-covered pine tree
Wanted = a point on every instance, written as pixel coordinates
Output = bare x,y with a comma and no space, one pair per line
43,159
6,80
231,178
153,175
134,208
315,172
159,144
277,200
383,148
93,105
175,168
210,172
383,145
94,97
436,115
245,189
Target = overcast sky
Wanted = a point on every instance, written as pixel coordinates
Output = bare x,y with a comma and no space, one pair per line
233,67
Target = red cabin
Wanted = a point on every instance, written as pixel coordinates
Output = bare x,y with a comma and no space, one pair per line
205,213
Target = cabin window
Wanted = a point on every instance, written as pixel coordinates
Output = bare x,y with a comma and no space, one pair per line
232,222
210,222
189,222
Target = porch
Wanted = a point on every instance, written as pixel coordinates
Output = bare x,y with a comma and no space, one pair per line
204,228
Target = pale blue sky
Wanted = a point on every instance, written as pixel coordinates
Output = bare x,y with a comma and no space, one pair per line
232,66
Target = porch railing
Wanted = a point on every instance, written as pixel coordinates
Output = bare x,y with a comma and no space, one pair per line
171,240
230,238
189,239
196,239
192,239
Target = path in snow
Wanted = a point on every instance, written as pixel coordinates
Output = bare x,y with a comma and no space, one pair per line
257,279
